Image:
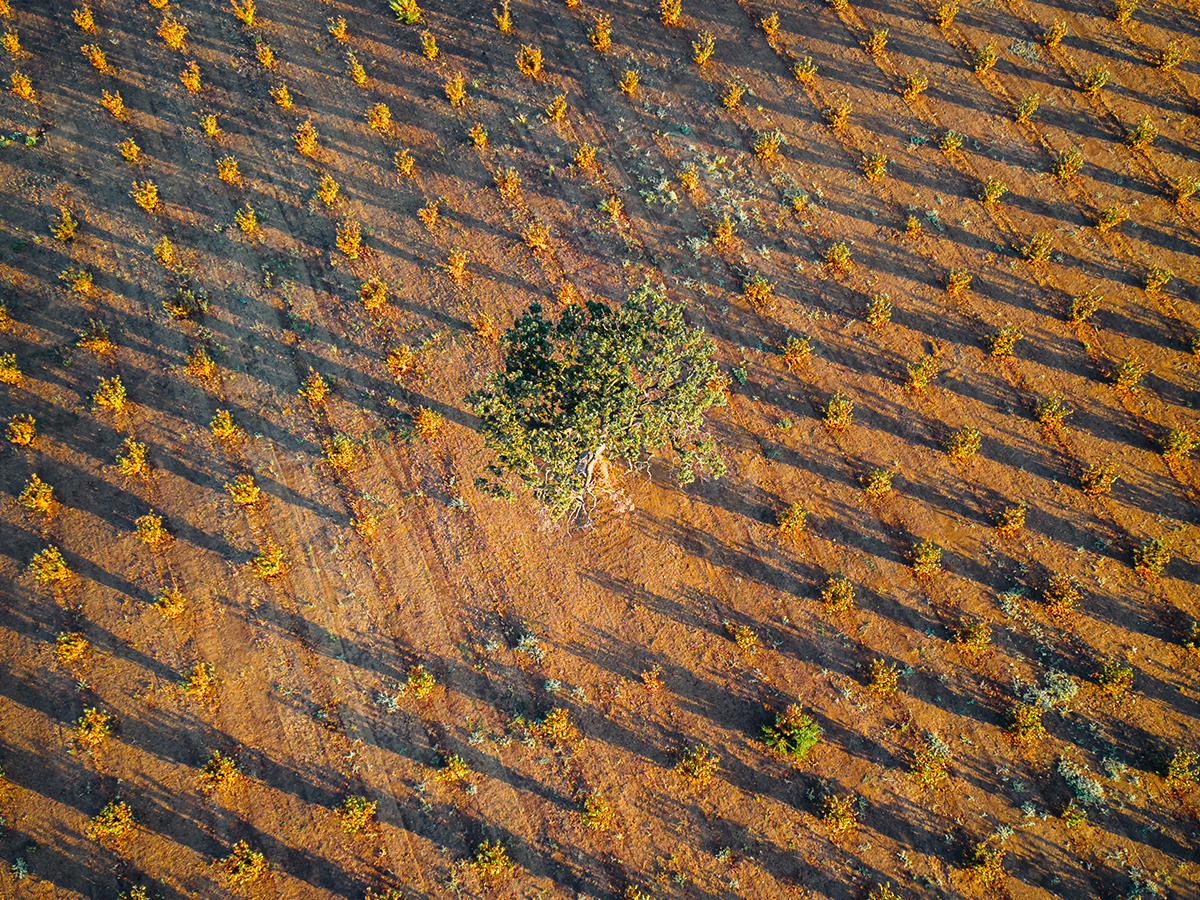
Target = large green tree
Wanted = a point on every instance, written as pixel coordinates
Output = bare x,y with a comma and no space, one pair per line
602,382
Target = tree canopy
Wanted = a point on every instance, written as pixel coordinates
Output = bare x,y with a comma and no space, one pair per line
616,382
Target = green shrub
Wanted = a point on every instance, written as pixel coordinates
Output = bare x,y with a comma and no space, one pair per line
1094,79
1180,770
1097,479
1011,520
1143,133
882,678
791,521
1178,443
877,482
1155,278
1037,249
1053,35
951,142
925,558
1114,679
839,412
879,311
218,773
696,767
930,761
1126,374
839,815
975,636
1110,218
1000,344
993,189
243,865
957,282
596,812
985,58
963,444
1051,411
114,821
1067,164
1025,722
920,373
491,860
1082,307
356,813
1151,557
985,865
1026,107
837,594
1060,593
793,734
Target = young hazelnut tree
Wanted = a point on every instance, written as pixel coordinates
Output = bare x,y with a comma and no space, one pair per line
602,382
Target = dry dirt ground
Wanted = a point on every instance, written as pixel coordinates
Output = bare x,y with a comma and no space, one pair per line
514,615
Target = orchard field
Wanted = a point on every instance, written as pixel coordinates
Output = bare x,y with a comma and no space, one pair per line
261,635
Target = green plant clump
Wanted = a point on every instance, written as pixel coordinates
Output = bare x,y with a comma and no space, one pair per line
1094,80
920,372
356,813
1178,443
1082,307
1002,341
963,444
1127,374
1051,412
406,11
1026,107
601,382
1067,164
114,821
244,865
926,559
1025,722
793,734
1097,479
791,521
1151,557
491,860
985,865
1060,593
837,594
696,766
1143,134
993,189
